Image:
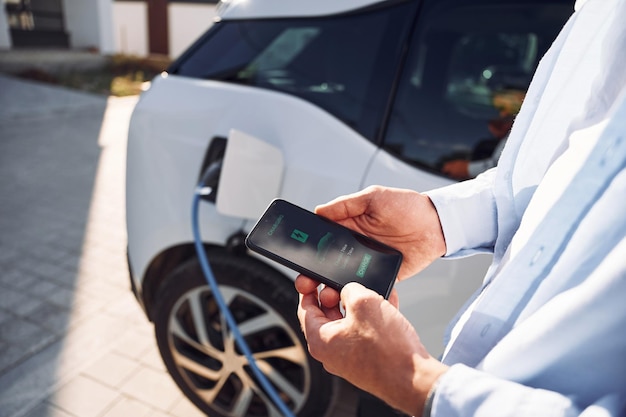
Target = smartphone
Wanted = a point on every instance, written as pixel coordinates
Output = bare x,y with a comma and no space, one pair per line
322,249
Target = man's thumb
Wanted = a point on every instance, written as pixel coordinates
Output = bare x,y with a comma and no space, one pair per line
357,299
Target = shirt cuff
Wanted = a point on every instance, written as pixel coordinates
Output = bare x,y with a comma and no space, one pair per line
467,212
464,391
428,404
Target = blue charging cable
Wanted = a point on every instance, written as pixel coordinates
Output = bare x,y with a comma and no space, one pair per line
230,320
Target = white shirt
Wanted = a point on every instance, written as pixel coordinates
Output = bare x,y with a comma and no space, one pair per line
562,313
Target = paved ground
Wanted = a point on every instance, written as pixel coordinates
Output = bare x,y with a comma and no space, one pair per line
73,341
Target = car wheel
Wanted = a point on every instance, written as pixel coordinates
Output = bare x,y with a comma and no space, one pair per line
201,355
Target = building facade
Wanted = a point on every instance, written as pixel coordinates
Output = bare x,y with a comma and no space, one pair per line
133,27
164,27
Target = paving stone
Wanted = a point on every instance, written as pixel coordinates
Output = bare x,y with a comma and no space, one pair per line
49,269
159,413
185,408
29,305
8,255
112,369
65,276
4,316
23,338
10,277
61,296
126,407
29,382
125,306
52,317
17,330
101,289
88,340
9,298
152,387
45,409
135,346
41,288
84,309
19,280
9,355
84,397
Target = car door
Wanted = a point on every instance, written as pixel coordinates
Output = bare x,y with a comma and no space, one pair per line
468,67
313,87
319,89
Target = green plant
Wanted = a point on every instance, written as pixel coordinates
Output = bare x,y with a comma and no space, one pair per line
123,75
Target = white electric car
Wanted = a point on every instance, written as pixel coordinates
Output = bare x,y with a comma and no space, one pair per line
306,101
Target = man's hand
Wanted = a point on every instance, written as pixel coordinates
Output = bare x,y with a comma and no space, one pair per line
403,219
374,346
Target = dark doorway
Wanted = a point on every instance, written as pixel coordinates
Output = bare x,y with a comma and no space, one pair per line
36,23
158,37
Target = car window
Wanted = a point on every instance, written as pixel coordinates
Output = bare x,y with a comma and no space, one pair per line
467,72
344,64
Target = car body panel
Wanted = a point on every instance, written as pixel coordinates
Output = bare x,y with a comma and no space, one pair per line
317,166
245,9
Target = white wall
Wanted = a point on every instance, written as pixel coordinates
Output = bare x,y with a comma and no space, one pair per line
186,23
88,23
5,36
130,27
105,13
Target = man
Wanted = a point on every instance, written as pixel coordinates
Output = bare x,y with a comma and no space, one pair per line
546,335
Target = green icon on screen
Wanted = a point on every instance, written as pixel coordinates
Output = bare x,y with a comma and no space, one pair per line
299,235
365,262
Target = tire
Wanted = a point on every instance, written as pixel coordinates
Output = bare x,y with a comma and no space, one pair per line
201,354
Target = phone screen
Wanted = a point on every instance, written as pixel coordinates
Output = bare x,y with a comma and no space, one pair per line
322,249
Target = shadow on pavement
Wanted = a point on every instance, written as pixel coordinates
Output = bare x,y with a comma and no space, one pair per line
62,245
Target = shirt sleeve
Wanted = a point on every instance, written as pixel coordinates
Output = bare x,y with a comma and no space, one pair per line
468,215
464,391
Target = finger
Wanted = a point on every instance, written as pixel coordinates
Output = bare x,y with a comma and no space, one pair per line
313,321
330,305
394,298
353,294
305,285
357,299
332,313
329,297
345,207
309,303
309,312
